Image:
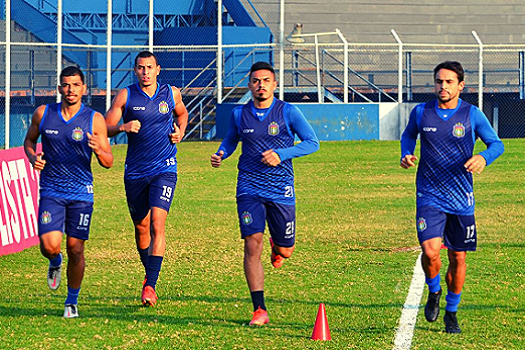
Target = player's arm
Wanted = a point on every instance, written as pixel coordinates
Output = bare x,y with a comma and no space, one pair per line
33,132
228,145
115,113
99,141
180,115
302,128
409,139
495,148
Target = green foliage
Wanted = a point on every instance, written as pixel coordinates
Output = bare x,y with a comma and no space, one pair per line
356,249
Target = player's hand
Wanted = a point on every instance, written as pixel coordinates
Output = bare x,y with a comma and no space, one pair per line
176,136
408,161
476,164
132,126
94,143
39,163
271,158
216,159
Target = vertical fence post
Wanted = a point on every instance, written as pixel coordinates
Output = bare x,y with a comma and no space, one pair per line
480,78
345,65
59,43
295,65
408,60
399,67
219,51
7,71
281,51
521,76
320,98
109,35
151,26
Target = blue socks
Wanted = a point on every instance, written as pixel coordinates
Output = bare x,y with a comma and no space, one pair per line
453,300
258,300
143,253
72,295
433,283
153,270
56,261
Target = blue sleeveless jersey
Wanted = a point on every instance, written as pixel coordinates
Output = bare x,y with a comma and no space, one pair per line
259,135
446,145
67,173
150,151
447,139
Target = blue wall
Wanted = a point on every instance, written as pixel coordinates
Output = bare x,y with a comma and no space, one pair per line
331,122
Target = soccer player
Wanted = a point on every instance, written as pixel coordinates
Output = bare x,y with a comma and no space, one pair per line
448,128
155,120
265,183
71,132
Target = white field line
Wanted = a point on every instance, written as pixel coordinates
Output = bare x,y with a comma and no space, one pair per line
407,322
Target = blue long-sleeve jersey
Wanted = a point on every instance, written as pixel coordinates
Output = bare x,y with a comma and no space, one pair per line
261,130
447,142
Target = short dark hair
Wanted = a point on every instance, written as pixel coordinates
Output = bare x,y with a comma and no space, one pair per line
71,71
261,65
145,54
453,66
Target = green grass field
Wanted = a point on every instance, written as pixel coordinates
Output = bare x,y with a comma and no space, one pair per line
356,249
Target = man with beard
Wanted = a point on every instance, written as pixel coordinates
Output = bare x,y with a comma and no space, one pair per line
448,128
265,183
71,132
154,119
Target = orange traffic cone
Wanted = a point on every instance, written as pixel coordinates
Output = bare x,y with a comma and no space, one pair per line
321,330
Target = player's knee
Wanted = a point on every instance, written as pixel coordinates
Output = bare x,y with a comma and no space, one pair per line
75,251
457,258
49,250
157,228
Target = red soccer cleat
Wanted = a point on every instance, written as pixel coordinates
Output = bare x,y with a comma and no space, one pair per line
260,317
277,260
149,297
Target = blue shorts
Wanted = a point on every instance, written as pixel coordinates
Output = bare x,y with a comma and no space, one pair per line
254,212
67,216
148,192
458,231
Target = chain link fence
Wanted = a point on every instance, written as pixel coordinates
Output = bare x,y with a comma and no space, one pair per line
315,67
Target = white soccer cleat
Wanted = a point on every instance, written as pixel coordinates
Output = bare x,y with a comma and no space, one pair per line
54,276
71,311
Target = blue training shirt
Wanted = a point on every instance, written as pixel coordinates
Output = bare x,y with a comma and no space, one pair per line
67,173
447,139
150,151
261,130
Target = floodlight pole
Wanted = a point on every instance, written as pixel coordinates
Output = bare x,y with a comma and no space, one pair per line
480,77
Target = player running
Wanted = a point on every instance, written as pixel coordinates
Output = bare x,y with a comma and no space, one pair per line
71,132
265,183
448,128
155,120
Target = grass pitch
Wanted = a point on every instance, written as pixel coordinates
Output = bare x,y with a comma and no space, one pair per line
356,249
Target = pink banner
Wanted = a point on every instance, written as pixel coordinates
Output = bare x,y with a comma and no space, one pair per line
18,201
